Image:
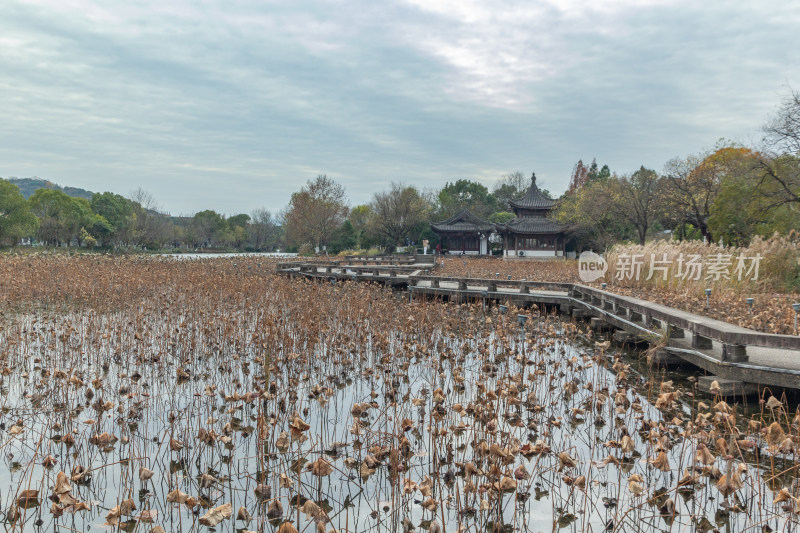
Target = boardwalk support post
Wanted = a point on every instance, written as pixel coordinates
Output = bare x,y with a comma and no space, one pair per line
734,353
674,332
633,316
701,343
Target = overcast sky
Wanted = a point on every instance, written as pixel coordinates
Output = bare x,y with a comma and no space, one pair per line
235,105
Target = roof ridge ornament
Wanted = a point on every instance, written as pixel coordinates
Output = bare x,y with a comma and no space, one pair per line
532,198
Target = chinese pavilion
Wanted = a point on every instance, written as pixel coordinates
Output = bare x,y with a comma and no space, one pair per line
464,233
532,234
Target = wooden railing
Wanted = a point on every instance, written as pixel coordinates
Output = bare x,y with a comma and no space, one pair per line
702,329
492,285
643,314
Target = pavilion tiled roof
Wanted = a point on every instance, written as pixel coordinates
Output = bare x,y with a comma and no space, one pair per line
464,221
531,225
533,199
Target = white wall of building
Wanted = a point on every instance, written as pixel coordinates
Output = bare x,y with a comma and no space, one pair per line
533,253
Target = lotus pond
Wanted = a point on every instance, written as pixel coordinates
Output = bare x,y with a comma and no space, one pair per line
151,394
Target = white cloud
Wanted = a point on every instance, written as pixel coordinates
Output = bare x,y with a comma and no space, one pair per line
500,50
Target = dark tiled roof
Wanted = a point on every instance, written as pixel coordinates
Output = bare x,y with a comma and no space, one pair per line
532,225
463,222
533,199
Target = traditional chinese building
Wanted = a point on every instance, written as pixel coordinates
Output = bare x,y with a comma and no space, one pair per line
531,233
464,233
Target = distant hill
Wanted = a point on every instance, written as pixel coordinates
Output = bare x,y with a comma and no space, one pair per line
28,186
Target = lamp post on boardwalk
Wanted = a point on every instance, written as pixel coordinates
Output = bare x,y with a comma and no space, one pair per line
503,308
796,308
521,319
750,304
708,298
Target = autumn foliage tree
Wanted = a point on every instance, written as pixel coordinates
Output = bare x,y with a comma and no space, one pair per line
582,174
585,211
585,208
315,212
694,183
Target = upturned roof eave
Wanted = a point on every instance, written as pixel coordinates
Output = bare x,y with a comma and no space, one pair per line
447,228
551,227
465,216
544,203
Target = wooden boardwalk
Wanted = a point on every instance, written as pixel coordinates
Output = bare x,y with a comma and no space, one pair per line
733,355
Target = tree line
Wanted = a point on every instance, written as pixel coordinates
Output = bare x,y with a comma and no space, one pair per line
318,217
53,218
730,193
727,194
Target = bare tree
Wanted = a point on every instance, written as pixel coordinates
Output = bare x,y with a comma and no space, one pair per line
692,191
779,162
636,199
783,131
151,226
145,200
397,212
515,179
510,186
263,229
